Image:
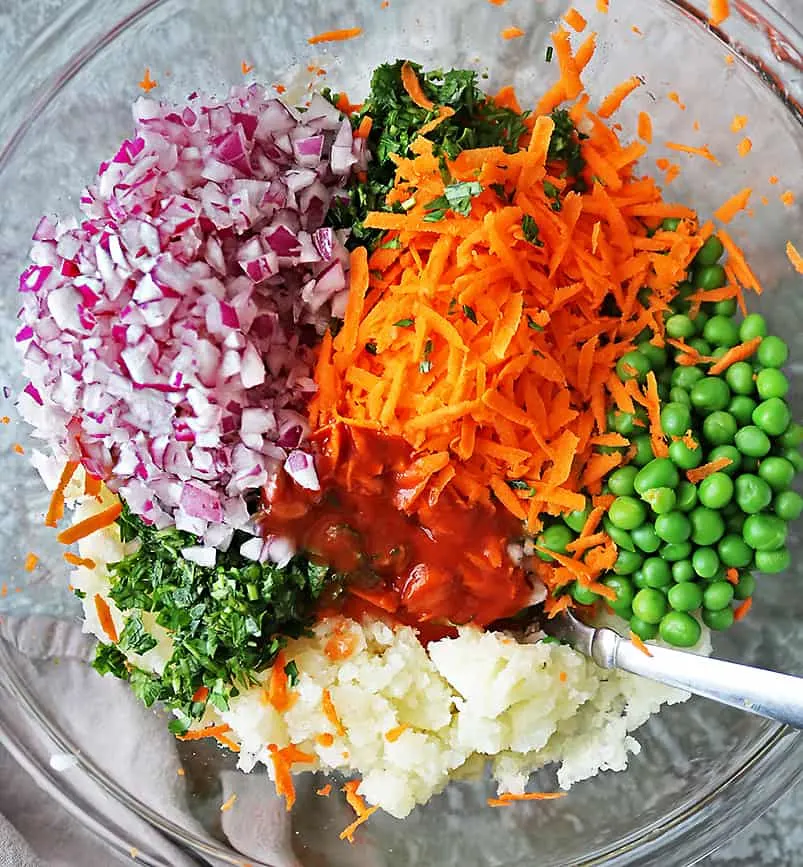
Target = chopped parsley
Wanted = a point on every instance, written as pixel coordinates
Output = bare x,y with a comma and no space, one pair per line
456,197
530,230
404,323
469,313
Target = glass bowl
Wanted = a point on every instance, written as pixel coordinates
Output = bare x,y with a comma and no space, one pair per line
704,771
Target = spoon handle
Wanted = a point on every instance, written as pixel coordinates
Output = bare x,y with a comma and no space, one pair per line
765,693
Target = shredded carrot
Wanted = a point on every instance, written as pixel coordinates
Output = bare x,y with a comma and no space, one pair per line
92,485
246,67
208,732
30,562
736,353
509,798
602,6
788,198
283,761
740,612
674,97
412,87
704,471
330,713
657,438
325,791
720,10
794,257
738,202
570,83
201,694
75,560
563,677
575,20
105,618
335,35
744,147
694,151
637,642
147,84
618,95
395,733
18,449
278,692
90,525
348,832
729,59
3,590
443,112
732,575
645,127
341,644
55,511
512,33
325,740
228,804
774,179
280,89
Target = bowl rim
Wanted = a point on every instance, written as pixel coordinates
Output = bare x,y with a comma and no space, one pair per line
686,835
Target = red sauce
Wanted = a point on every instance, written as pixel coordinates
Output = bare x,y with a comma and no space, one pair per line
434,565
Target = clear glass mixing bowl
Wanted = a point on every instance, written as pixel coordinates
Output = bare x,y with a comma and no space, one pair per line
705,771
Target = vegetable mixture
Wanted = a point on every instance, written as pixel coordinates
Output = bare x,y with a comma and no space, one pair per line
422,362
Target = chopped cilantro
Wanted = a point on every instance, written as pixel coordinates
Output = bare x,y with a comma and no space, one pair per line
531,323
456,197
370,348
521,485
549,52
469,313
291,670
530,229
425,366
404,323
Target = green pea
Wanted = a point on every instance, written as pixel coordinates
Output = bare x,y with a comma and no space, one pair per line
679,326
753,325
708,526
745,588
729,452
675,419
682,571
792,437
726,307
644,453
685,377
770,382
764,532
649,605
711,251
734,551
658,473
710,394
627,513
772,352
554,538
719,352
679,628
679,396
576,520
716,490
676,551
632,365
788,505
644,630
700,345
753,494
778,473
620,536
795,458
673,527
773,562
623,587
700,321
710,277
660,500
772,416
638,579
721,331
621,481
719,428
739,377
686,497
656,355
646,538
582,595
718,595
735,523
705,562
683,457
718,620
752,441
656,572
741,408
627,562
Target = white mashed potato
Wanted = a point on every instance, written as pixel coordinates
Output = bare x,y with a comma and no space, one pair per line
410,718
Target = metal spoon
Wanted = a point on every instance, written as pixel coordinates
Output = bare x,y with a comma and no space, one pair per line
764,693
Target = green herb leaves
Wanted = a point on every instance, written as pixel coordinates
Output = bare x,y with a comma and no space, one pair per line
456,197
530,230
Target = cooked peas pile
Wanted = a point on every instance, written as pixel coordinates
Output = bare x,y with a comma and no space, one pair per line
678,541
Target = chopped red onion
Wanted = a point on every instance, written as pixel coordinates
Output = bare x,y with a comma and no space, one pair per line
160,334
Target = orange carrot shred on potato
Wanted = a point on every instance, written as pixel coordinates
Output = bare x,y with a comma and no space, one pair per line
90,525
412,87
335,35
392,735
92,485
740,612
741,352
55,511
283,761
794,257
75,560
278,692
738,202
705,470
105,618
330,712
637,642
575,20
30,562
719,12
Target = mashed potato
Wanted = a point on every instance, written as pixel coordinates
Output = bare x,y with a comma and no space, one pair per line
406,718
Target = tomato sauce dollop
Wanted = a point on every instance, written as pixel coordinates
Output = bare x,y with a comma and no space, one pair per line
431,562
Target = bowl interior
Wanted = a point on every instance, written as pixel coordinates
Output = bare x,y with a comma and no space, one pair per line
689,752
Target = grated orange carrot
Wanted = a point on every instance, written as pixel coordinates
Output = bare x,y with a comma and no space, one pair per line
105,618
147,84
335,35
740,612
30,562
75,560
325,740
228,804
55,511
512,33
278,692
602,6
209,732
90,525
330,712
509,798
788,198
694,151
738,202
92,485
394,734
348,832
283,761
246,67
637,642
705,470
325,791
645,127
575,20
732,575
736,353
720,10
673,96
794,257
618,95
413,88
744,147
18,449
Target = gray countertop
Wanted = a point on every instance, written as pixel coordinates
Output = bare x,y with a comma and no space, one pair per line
776,839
